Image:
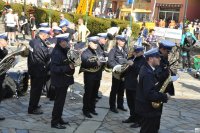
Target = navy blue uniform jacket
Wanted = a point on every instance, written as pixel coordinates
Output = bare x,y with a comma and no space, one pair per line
61,73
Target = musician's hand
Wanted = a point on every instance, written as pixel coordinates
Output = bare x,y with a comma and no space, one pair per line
71,66
130,62
117,68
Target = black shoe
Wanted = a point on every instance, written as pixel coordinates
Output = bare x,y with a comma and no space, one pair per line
94,112
2,118
35,112
114,110
129,120
88,115
135,125
122,108
98,97
39,106
62,122
96,100
52,99
58,126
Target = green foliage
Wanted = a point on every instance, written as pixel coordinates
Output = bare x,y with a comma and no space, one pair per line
95,25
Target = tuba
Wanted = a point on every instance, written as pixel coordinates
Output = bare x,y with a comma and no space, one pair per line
7,62
94,69
162,90
73,56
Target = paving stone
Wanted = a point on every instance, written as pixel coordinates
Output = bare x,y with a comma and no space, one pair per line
22,131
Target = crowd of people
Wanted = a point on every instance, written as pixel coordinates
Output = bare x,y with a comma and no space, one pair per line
194,26
15,24
140,74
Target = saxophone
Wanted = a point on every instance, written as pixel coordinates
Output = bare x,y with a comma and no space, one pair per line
162,90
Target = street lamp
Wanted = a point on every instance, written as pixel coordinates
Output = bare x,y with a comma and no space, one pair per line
185,14
25,6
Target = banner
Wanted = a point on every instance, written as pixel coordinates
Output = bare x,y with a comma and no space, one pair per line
168,33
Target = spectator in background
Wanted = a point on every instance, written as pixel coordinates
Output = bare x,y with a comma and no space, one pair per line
196,30
23,24
16,17
191,28
180,27
32,25
162,23
188,40
199,31
97,11
151,40
142,35
172,24
83,32
127,31
63,19
10,25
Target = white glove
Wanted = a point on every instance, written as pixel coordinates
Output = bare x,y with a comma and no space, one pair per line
103,59
168,96
117,68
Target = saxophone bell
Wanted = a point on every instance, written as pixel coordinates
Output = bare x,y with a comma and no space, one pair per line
162,90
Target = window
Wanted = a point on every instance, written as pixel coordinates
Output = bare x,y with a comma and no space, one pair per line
169,13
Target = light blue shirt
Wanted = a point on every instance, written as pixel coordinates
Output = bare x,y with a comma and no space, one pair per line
65,20
185,35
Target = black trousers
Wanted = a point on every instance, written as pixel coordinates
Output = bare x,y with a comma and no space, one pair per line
51,94
130,96
117,91
97,88
37,85
61,93
150,125
2,77
90,95
186,59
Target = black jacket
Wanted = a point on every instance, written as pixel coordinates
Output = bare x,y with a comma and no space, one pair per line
117,57
101,50
131,75
38,58
87,64
162,73
147,92
3,53
61,73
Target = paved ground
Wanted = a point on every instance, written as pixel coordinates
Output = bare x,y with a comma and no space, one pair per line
180,115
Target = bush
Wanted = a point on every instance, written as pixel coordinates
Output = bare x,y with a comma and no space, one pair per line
95,25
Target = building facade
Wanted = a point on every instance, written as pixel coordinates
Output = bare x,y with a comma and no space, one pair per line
175,9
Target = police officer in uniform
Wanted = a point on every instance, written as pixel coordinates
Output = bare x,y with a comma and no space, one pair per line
51,42
91,79
65,29
117,56
61,78
102,41
131,84
163,70
148,92
38,65
3,53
